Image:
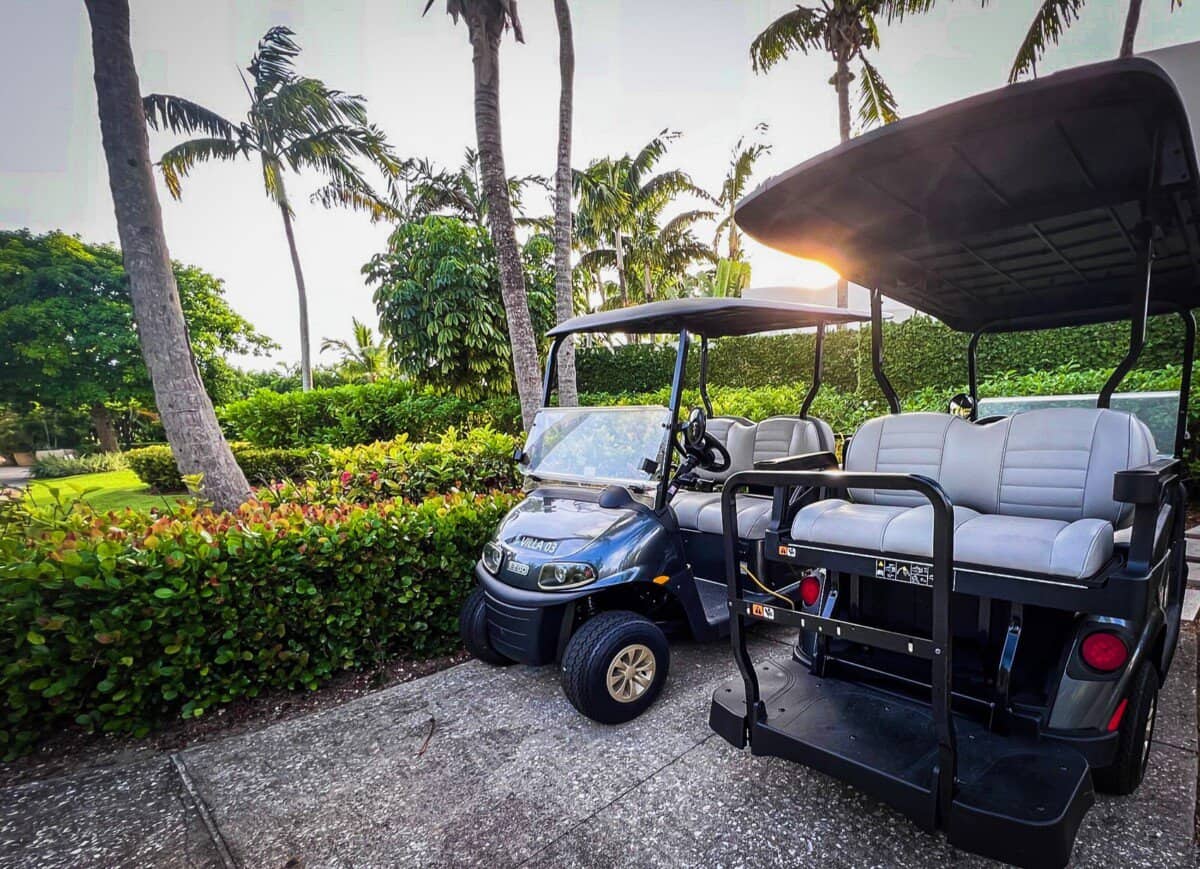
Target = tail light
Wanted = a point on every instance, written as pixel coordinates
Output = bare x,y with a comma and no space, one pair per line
810,590
1104,651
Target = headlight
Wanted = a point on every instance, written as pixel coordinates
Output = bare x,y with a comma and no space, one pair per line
565,574
492,556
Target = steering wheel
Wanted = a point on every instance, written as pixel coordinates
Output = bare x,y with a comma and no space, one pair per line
708,452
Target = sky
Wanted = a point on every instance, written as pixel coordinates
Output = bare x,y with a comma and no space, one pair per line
642,66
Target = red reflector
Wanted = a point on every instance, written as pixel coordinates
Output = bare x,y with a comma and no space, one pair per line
810,590
1104,651
1115,721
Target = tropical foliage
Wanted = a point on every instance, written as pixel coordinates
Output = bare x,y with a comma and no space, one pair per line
438,294
737,181
458,192
294,123
364,358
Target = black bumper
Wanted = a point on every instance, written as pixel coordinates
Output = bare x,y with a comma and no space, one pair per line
526,626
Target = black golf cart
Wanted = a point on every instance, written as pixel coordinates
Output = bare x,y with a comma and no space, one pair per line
618,542
1000,598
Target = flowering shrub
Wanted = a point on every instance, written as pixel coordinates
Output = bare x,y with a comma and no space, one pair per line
115,621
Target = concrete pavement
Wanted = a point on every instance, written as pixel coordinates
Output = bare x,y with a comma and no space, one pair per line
478,766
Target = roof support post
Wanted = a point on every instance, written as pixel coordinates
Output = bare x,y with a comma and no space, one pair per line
660,497
551,369
1185,382
818,365
708,409
877,351
1139,307
973,373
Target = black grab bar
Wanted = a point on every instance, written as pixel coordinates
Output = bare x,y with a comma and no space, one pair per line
937,649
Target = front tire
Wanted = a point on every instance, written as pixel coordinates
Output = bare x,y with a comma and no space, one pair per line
473,628
615,666
1137,729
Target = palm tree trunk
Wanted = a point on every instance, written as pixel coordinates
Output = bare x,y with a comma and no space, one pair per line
619,246
1131,25
486,26
568,391
106,432
302,298
187,413
842,84
649,287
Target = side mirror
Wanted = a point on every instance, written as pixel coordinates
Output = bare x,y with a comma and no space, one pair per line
520,456
962,406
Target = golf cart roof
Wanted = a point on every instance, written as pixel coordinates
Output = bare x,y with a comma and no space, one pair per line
1019,208
712,318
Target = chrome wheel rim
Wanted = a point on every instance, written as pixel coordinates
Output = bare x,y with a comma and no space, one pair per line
631,673
1149,731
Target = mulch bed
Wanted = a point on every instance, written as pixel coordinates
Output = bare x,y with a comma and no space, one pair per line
73,749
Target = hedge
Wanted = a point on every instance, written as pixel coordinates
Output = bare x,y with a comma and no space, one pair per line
155,465
920,352
116,622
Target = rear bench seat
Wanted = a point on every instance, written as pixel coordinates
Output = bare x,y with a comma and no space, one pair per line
748,443
1032,493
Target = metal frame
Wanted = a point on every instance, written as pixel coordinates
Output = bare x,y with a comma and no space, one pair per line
818,368
938,650
877,351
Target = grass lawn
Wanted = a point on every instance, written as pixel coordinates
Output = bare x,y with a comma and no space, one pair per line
111,490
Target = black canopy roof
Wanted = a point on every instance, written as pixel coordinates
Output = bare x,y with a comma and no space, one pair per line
1018,208
713,318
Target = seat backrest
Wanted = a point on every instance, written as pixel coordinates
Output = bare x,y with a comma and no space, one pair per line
736,434
781,436
1052,463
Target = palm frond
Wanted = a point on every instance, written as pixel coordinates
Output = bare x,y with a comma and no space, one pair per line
166,112
877,104
667,185
895,10
178,161
800,30
1049,24
651,153
271,65
356,198
683,222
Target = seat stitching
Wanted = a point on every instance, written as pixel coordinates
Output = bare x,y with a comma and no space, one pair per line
888,524
1087,556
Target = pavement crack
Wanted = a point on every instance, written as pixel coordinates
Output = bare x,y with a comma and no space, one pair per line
201,809
571,829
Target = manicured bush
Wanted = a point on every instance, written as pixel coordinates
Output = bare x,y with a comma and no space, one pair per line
115,622
51,467
155,465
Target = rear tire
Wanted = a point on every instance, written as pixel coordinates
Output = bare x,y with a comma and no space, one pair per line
1137,729
473,628
614,667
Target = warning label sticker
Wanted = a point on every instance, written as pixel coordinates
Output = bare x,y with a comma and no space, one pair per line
903,571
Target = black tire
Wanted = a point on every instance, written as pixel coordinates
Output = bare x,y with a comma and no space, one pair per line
472,627
594,649
1133,745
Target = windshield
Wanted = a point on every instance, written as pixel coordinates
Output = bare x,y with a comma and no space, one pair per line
597,444
1158,410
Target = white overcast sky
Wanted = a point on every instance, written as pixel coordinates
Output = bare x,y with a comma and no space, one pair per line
642,65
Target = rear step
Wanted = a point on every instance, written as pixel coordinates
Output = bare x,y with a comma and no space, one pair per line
1015,799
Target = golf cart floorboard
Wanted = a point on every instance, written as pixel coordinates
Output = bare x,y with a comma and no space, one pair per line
1017,799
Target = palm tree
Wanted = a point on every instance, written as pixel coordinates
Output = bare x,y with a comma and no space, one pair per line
737,178
568,391
366,358
486,22
185,408
293,123
459,192
1051,22
620,198
845,29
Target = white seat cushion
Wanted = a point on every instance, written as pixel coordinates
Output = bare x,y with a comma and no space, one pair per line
875,527
1071,549
687,506
1043,546
753,515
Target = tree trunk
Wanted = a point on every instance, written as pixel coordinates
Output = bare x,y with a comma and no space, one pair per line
646,280
106,432
568,391
842,84
1131,26
187,413
486,25
302,298
619,246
